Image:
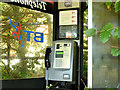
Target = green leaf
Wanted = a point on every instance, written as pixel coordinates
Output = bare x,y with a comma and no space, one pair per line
116,33
104,36
90,32
106,32
117,6
47,87
50,85
108,3
86,88
115,52
107,27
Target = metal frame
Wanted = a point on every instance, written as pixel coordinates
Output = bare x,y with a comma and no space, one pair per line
89,45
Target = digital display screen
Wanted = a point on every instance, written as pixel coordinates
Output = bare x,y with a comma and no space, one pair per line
59,54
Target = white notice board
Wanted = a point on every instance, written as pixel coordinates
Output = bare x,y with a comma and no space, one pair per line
68,17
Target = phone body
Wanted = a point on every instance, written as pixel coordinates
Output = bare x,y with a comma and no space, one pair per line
63,61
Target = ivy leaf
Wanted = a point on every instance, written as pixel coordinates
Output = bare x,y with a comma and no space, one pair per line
115,52
90,32
116,33
106,32
117,6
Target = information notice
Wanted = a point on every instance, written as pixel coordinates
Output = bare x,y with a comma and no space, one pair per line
68,17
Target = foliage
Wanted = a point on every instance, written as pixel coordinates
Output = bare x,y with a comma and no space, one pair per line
85,47
90,32
105,34
49,86
94,89
115,52
116,5
108,30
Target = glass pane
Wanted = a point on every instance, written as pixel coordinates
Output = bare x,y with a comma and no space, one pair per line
25,35
68,31
105,67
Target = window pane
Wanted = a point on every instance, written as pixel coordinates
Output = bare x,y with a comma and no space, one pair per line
25,35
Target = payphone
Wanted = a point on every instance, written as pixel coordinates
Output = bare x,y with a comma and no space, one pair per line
63,61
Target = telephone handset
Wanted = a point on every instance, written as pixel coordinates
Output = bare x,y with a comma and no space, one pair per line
47,54
47,62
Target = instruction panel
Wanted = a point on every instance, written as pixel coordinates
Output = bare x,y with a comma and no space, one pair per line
68,17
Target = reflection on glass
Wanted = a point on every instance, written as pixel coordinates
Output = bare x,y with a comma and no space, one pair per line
27,61
69,31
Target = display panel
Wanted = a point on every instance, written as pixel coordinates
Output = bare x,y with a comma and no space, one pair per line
62,54
59,54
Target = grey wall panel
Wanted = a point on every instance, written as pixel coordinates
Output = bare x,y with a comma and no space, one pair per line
105,66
